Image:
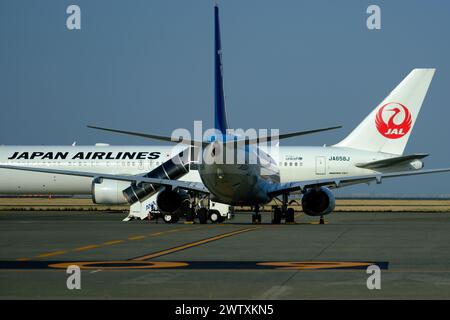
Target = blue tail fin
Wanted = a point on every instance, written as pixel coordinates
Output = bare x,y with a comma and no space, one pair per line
220,117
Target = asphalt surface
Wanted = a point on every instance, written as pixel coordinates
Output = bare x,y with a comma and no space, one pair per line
235,260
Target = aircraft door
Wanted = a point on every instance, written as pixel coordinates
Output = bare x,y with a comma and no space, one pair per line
320,165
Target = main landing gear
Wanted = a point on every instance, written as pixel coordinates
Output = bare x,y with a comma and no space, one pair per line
284,212
278,213
256,216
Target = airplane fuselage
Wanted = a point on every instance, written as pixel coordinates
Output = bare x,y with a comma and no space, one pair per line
247,184
243,184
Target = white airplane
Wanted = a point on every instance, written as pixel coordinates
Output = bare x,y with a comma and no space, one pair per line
152,161
373,151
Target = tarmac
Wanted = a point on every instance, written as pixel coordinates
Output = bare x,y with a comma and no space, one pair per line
233,260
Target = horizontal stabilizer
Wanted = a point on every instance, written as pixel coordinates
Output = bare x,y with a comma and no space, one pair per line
151,136
283,135
391,161
205,143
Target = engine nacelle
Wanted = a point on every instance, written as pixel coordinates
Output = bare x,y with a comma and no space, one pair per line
318,202
106,191
170,201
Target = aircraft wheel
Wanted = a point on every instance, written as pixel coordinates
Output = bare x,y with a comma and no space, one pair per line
256,218
190,215
290,215
276,216
202,215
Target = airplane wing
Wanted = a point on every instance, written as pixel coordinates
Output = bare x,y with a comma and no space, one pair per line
391,161
338,182
191,186
275,190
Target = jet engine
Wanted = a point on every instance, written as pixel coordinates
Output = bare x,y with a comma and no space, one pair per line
171,201
106,191
318,202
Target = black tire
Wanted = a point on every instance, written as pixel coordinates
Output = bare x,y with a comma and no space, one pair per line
190,215
256,218
214,216
169,218
277,214
202,215
290,215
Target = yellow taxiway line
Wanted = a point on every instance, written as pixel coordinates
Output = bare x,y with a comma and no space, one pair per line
193,244
104,244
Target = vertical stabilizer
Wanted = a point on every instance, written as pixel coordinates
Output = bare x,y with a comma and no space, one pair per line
220,117
388,127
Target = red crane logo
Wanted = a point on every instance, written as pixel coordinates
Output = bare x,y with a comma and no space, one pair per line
391,129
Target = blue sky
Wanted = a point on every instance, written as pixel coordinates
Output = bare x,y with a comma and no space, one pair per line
148,66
